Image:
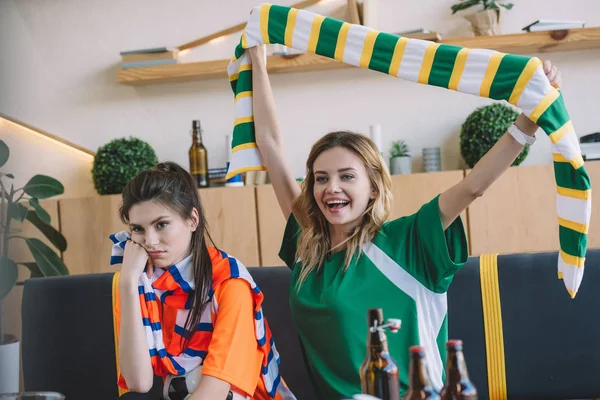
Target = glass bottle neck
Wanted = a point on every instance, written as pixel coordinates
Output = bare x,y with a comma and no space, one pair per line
377,343
418,378
456,367
196,137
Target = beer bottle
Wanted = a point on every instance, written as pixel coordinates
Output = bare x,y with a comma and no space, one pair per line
419,384
379,372
198,157
458,386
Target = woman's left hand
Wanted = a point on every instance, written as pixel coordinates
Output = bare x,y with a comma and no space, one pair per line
553,74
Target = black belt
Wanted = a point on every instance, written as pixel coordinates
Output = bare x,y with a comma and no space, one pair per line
178,389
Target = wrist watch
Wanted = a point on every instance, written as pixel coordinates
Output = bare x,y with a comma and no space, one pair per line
521,137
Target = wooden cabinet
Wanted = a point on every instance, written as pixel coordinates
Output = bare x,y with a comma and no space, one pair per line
517,214
271,225
231,217
87,223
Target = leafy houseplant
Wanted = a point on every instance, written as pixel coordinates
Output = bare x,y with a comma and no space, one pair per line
483,128
20,205
485,22
118,161
400,160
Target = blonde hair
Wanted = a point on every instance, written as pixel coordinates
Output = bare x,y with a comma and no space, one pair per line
314,242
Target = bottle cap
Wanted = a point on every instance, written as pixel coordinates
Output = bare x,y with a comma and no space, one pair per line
416,349
454,343
196,124
394,324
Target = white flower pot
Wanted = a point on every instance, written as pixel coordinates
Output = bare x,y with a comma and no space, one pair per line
401,165
9,366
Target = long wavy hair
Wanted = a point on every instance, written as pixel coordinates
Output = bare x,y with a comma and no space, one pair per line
314,242
172,186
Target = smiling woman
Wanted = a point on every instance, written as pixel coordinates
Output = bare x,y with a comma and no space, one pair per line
347,258
176,293
344,181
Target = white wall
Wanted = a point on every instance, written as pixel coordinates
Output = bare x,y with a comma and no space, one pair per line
59,59
31,155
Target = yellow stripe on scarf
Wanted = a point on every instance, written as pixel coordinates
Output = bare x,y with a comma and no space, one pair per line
492,319
290,26
574,193
264,22
340,46
577,162
244,147
574,226
243,120
427,63
115,288
543,105
459,68
532,66
244,40
314,33
561,132
397,56
490,74
367,52
572,260
241,95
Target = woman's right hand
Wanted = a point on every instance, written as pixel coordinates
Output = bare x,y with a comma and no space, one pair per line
135,260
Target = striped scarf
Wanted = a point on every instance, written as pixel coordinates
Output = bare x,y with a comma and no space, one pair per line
175,287
517,79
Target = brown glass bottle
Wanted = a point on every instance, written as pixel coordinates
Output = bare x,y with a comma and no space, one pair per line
458,386
419,384
379,372
198,157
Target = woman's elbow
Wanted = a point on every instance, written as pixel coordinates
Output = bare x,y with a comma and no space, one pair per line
140,384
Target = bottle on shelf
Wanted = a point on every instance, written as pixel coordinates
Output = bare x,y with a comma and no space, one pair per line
198,157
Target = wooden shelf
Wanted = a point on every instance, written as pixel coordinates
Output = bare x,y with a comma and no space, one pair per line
520,43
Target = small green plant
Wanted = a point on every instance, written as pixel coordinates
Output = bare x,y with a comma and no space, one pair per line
24,204
399,149
483,128
118,161
487,5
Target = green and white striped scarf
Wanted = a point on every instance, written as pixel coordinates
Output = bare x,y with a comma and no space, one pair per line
517,79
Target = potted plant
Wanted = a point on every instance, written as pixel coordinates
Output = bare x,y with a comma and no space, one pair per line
19,205
485,22
118,161
400,160
483,128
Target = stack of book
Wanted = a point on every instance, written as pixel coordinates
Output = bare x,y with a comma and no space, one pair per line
148,57
421,33
553,25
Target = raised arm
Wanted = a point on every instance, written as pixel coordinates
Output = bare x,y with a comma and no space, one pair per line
456,199
134,356
268,134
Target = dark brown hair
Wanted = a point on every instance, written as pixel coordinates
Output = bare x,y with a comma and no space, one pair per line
173,187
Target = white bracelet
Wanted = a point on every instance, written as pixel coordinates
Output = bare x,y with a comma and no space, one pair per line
520,136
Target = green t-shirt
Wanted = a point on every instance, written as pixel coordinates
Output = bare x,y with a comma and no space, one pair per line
406,271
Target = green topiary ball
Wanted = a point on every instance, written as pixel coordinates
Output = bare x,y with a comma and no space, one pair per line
118,161
483,128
